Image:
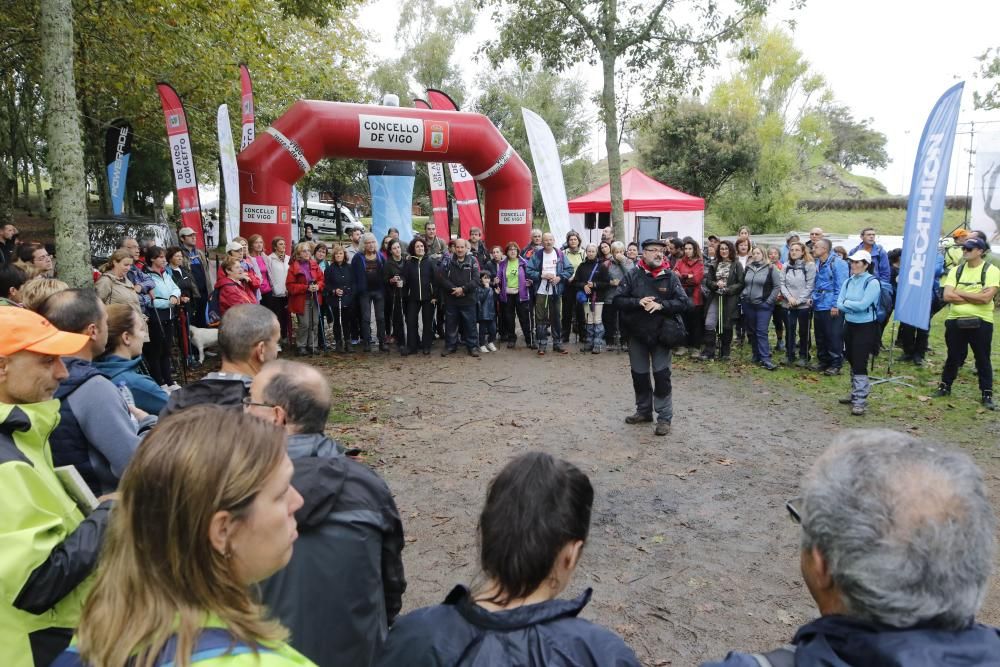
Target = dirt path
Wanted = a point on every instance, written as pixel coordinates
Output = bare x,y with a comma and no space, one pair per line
691,552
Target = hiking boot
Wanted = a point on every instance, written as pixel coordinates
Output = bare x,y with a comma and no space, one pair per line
831,371
918,360
942,390
446,351
780,347
704,356
680,352
906,357
662,428
638,418
560,350
857,410
844,401
541,352
511,345
769,366
988,400
473,352
802,363
596,350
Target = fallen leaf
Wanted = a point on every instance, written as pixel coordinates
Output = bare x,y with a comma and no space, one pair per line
724,462
923,399
657,539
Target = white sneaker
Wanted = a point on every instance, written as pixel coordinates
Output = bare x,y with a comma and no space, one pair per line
491,347
174,387
483,348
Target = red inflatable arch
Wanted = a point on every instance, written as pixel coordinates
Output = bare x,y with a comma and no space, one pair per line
310,131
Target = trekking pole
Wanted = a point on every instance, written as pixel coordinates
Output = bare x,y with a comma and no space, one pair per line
319,319
340,322
719,322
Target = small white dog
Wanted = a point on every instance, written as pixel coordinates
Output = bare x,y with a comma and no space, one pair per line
202,339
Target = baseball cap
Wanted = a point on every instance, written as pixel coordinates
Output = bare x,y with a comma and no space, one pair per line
234,246
185,231
974,242
861,256
26,330
960,234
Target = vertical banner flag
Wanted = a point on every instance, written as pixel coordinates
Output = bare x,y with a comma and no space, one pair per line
117,150
182,158
439,191
246,107
391,185
548,170
466,196
925,209
986,189
296,205
230,175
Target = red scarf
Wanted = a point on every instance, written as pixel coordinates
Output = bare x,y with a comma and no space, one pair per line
653,272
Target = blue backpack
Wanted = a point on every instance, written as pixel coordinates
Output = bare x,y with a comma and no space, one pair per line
884,305
211,643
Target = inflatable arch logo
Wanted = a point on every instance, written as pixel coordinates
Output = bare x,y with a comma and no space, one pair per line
312,130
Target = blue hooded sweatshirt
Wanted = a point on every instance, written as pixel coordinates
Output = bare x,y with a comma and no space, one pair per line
839,641
147,394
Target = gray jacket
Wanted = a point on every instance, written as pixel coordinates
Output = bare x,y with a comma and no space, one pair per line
797,282
755,280
617,271
344,585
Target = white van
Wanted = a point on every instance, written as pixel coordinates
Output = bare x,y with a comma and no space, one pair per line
323,218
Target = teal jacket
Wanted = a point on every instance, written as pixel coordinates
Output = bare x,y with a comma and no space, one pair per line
147,394
859,297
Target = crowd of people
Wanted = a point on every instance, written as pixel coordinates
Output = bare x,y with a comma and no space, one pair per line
238,533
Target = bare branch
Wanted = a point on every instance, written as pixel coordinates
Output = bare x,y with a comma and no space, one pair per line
708,40
647,30
585,24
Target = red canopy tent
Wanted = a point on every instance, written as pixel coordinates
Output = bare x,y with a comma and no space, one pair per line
652,209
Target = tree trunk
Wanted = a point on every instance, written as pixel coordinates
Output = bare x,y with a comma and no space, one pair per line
38,188
25,180
609,112
62,129
6,207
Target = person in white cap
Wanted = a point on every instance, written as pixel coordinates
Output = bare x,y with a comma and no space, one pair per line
858,301
196,262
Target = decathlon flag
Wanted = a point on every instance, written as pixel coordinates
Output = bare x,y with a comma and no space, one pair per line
117,150
439,191
182,158
391,185
986,188
924,211
230,174
246,107
463,185
548,170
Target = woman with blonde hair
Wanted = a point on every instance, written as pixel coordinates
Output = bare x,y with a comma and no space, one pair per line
178,591
113,286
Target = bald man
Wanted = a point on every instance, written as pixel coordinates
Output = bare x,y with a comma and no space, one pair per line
347,564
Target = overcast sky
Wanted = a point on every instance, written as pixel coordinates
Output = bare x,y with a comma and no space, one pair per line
887,59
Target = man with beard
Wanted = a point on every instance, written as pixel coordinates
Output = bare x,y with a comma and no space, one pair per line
647,294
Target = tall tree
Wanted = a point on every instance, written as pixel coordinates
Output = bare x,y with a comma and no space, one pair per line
853,142
62,122
989,70
666,42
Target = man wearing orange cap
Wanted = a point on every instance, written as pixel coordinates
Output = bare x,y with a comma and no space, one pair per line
49,546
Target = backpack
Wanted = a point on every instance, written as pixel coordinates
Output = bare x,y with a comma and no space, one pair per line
213,313
884,305
211,643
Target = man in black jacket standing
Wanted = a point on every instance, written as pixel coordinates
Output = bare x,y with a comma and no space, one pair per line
344,585
647,295
459,277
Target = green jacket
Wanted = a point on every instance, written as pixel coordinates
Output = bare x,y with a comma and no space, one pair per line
49,549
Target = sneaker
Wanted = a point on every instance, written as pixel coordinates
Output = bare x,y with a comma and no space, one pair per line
831,371
680,352
445,352
426,352
844,401
473,352
596,350
560,350
662,428
541,352
906,357
769,366
988,400
491,347
802,363
511,345
638,418
942,390
704,356
857,410
173,387
484,349
355,341
918,360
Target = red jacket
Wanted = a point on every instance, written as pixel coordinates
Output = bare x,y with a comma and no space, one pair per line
691,272
232,293
255,280
297,285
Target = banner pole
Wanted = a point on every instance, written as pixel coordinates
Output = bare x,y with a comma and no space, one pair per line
889,379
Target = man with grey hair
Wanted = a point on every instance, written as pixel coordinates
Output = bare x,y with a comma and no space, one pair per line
248,339
897,547
347,564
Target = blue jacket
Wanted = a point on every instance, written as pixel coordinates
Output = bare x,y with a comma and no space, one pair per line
859,297
460,633
485,304
137,276
880,262
164,287
830,275
147,394
564,269
359,264
839,641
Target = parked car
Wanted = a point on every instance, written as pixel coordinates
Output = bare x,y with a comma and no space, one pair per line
106,235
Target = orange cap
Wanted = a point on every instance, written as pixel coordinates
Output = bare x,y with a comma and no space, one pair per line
26,330
959,234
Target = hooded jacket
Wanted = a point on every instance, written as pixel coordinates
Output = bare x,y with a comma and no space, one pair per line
665,287
695,268
232,293
339,276
797,282
880,262
601,280
49,549
226,390
460,633
523,291
418,278
756,290
297,283
564,269
344,584
459,273
830,276
839,641
111,290
147,394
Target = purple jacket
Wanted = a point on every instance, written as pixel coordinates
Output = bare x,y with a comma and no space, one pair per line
522,281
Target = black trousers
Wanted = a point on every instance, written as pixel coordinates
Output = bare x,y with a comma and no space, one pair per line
959,341
694,322
394,315
160,346
861,342
279,306
571,310
342,317
423,337
514,307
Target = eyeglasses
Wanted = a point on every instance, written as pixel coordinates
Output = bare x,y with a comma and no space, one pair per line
794,512
248,403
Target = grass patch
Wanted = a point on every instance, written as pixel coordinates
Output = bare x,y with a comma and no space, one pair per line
849,223
958,419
